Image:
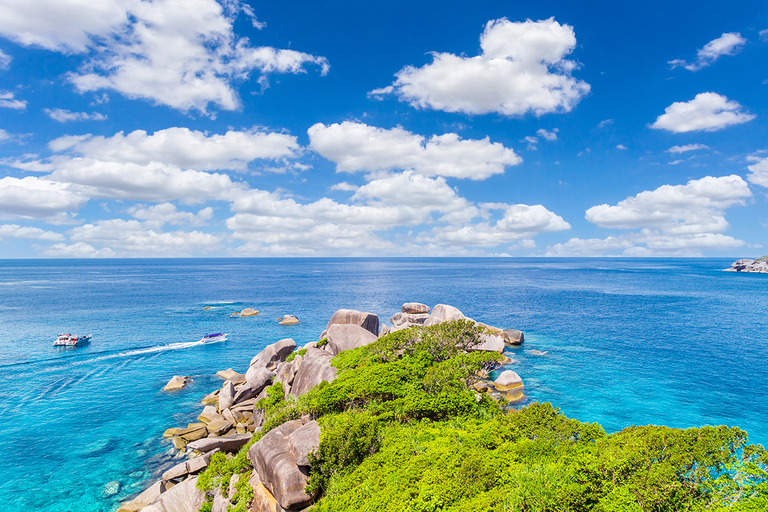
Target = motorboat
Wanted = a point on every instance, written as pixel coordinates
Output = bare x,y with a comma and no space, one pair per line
69,340
213,338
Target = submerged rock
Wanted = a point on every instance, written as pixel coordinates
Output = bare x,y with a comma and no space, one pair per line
110,488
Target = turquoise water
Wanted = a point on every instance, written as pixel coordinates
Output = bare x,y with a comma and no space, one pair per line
674,342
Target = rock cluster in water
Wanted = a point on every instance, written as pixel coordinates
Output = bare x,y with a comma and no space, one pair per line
280,462
747,265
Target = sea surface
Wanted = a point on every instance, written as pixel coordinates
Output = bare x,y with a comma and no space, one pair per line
628,342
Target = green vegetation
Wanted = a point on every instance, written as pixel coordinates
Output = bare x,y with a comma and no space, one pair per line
323,342
761,258
403,431
293,355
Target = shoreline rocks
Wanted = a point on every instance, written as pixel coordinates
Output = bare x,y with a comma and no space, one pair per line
280,459
760,265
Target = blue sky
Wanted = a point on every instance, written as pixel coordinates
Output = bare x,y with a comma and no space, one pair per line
134,128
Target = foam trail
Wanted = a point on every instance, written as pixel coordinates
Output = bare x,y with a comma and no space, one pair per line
146,350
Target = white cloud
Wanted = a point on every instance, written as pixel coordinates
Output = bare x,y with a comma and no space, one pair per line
4,135
685,148
579,247
62,116
134,238
730,43
159,214
544,134
763,35
522,68
183,147
77,250
520,221
696,207
708,111
8,101
5,60
621,147
531,142
344,187
34,197
604,123
758,174
645,243
183,54
360,147
16,231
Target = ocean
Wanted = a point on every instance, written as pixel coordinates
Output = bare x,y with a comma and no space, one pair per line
676,342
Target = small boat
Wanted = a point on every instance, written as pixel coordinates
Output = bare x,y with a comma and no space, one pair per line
68,340
213,338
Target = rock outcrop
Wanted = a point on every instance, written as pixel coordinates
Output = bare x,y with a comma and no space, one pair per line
315,368
367,321
273,457
759,265
343,337
289,320
176,382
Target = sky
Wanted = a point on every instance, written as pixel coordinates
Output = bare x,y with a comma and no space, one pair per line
176,128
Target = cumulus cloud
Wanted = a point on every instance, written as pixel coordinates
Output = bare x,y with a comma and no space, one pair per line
16,231
685,148
357,147
621,147
63,116
522,68
547,135
183,54
77,250
696,207
8,101
39,198
680,220
182,147
758,174
134,238
730,43
708,111
159,214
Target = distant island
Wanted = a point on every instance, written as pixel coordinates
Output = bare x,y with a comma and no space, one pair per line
746,265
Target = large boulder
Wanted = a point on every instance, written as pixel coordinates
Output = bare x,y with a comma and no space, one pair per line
271,356
443,313
226,396
343,337
304,441
184,497
263,501
315,368
508,380
228,444
367,321
289,320
414,308
254,385
401,318
273,458
177,382
490,343
149,495
512,336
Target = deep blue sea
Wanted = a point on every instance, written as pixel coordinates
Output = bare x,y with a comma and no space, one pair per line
641,341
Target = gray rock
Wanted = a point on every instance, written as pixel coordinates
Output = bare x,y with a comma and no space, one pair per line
253,386
149,495
399,319
226,396
508,380
304,441
742,264
513,336
490,343
176,472
315,368
271,356
184,497
276,464
414,308
367,321
443,313
263,501
220,503
287,371
229,444
343,337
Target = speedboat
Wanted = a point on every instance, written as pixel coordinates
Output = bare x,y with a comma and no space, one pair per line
213,338
68,340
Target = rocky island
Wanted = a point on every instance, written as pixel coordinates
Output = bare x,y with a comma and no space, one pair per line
746,265
408,418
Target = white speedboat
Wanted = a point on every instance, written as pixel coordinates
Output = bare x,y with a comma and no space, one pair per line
69,340
213,338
